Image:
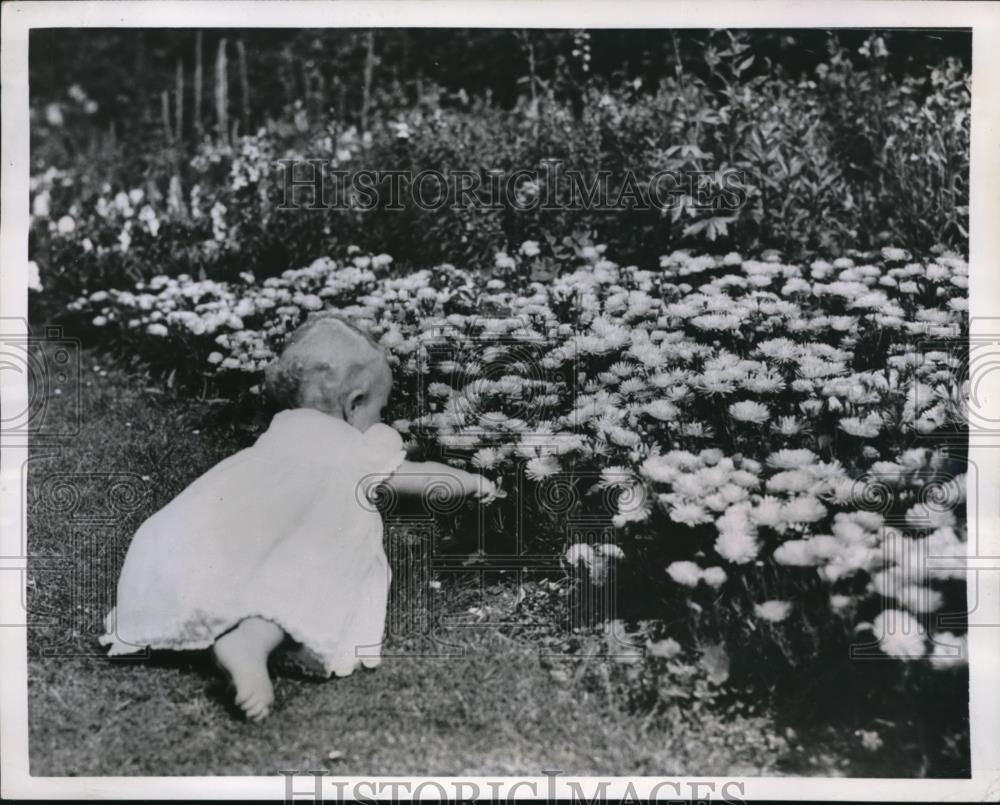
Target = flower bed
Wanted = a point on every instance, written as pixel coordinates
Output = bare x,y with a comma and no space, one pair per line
759,441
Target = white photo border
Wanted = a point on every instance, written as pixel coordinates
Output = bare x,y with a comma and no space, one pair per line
18,18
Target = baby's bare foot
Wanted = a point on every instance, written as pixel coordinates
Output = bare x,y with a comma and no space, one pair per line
242,653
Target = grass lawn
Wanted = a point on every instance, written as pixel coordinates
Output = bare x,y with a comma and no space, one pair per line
495,707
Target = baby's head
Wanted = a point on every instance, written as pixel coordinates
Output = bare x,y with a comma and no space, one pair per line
332,366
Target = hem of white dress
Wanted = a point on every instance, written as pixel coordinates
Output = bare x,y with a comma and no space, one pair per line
119,648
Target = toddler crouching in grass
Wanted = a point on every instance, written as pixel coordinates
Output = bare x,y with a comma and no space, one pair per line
277,542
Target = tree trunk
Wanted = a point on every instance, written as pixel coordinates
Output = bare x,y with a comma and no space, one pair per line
366,98
165,113
241,52
222,91
198,78
179,100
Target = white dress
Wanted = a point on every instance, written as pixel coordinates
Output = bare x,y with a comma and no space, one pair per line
282,530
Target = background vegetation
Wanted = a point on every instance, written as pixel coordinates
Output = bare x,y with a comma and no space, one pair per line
847,140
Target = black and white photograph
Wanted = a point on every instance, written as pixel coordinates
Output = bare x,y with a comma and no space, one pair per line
394,393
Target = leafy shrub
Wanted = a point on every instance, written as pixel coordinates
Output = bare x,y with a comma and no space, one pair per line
852,158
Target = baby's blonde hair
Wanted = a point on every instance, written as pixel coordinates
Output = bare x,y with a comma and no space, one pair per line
322,362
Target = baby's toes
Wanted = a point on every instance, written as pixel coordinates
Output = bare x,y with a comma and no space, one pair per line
252,706
256,702
259,714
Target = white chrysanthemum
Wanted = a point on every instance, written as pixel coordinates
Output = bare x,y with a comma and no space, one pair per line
609,550
632,386
749,411
768,512
486,458
538,469
737,542
803,509
868,427
690,514
790,481
615,477
791,459
796,553
747,480
899,634
579,552
949,651
663,410
921,515
714,577
773,611
686,573
634,506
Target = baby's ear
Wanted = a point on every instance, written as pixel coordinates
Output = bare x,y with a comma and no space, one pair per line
354,399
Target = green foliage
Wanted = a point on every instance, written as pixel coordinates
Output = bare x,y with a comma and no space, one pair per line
854,157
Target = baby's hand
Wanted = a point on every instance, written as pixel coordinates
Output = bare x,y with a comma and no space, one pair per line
487,491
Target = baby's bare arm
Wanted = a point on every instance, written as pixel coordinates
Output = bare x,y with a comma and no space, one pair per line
418,477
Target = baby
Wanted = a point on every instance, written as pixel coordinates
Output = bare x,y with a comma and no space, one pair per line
278,542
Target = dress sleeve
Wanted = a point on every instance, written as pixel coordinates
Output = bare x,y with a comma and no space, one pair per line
384,450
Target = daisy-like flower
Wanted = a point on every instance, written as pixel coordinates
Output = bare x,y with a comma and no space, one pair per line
922,515
615,477
634,506
662,410
486,458
690,514
790,481
623,437
949,651
622,369
440,390
768,512
773,611
711,382
744,478
737,541
892,254
918,598
632,385
659,469
899,634
579,552
796,553
686,573
538,469
791,459
764,383
737,547
789,426
803,509
749,411
714,577
865,428
782,350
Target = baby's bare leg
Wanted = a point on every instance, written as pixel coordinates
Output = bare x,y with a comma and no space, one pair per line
242,653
